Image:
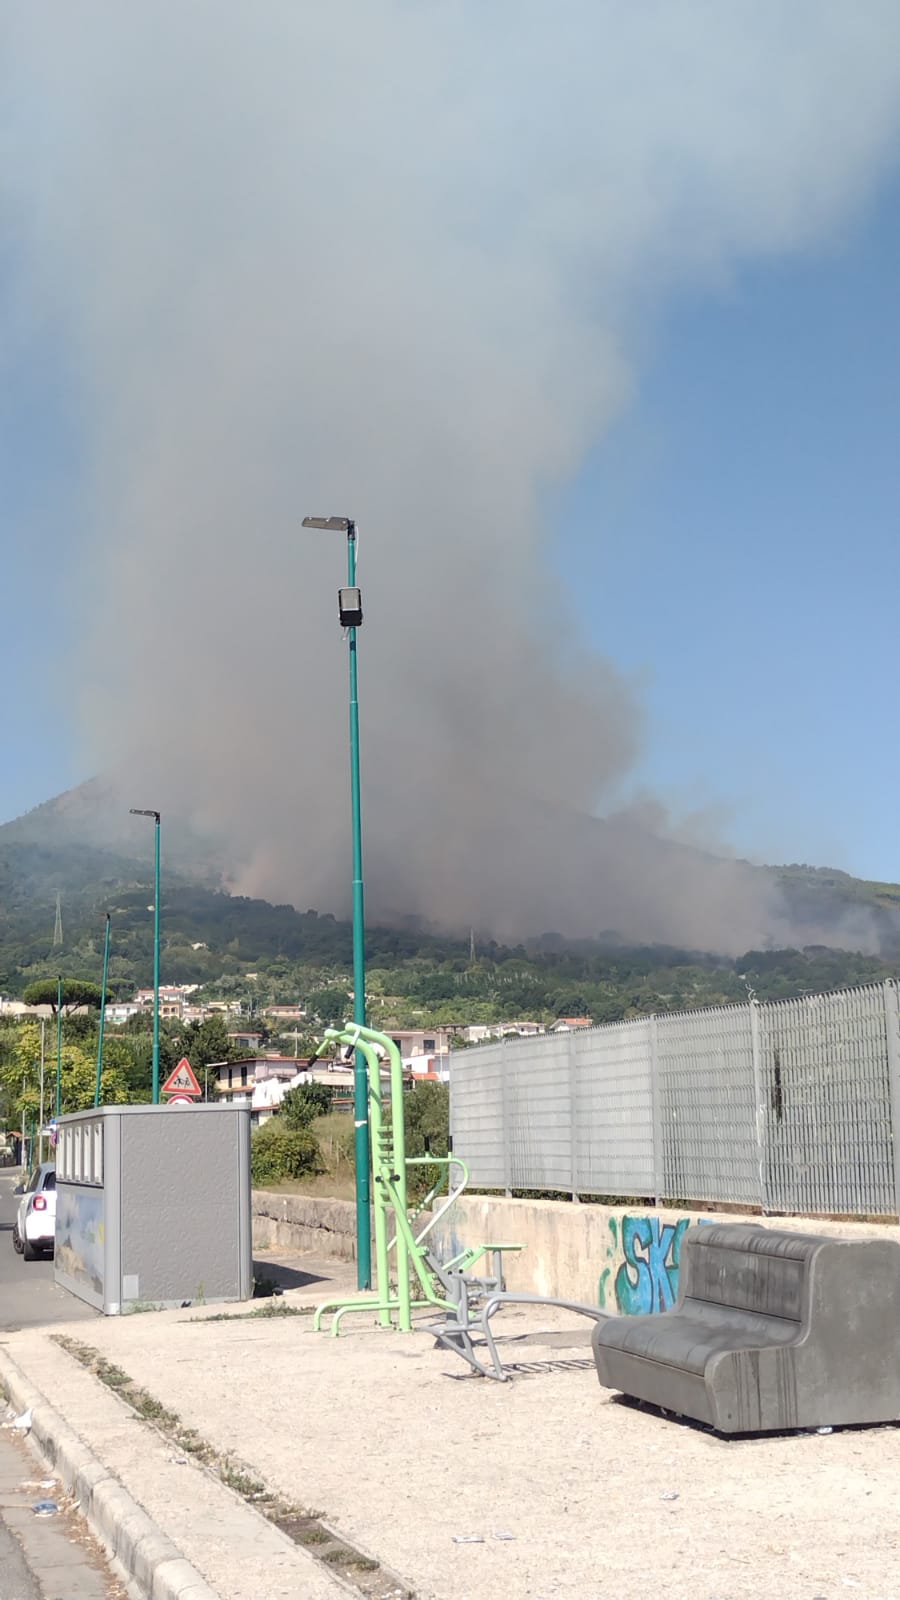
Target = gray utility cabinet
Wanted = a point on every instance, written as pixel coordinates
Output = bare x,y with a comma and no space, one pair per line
153,1206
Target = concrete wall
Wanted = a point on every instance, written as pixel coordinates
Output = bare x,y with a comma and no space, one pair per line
625,1260
621,1259
300,1222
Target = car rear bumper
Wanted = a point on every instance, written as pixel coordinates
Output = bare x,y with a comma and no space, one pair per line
38,1232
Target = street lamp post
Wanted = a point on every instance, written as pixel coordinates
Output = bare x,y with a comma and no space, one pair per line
155,815
98,1089
58,1045
350,613
41,1112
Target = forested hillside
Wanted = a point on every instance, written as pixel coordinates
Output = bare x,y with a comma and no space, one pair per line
414,975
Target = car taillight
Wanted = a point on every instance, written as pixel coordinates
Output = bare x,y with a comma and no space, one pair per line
40,1203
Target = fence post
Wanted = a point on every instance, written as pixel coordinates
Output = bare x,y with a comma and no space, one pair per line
573,1119
504,1128
892,1029
759,1109
659,1182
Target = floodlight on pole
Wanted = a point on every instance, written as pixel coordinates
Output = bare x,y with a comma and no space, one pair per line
350,616
156,819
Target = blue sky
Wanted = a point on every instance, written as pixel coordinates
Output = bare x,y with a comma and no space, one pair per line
736,547
732,545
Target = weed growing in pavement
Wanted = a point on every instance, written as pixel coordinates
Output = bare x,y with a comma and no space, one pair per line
340,1555
241,1482
311,1535
114,1376
152,1410
274,1308
306,1528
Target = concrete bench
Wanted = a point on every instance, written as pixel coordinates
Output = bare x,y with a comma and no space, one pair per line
771,1331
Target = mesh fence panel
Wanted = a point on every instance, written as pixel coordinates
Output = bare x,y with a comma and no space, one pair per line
476,1114
539,1112
827,1104
785,1106
708,1106
614,1109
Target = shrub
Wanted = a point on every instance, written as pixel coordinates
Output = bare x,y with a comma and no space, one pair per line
279,1153
302,1105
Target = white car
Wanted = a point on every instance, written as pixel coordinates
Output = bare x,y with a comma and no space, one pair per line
34,1230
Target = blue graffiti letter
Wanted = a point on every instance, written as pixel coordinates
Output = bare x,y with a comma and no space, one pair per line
634,1286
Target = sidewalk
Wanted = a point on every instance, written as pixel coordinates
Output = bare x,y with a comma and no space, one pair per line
399,1449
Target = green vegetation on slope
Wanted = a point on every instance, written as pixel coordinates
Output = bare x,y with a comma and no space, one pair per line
260,954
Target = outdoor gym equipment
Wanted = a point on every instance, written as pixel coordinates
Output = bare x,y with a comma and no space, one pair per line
466,1300
402,1256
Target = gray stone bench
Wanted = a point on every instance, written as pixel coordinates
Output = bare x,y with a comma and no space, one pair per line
771,1331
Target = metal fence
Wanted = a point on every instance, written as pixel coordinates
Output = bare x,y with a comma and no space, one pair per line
790,1106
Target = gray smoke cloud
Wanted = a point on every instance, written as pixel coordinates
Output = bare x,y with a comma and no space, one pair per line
399,261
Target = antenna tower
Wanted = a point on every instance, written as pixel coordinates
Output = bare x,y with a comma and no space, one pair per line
57,927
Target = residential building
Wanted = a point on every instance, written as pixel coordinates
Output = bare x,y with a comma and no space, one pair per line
421,1041
120,1010
246,1040
236,1077
481,1032
170,994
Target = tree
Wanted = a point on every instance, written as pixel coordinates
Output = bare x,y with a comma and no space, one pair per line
20,1076
208,1041
132,1058
330,1005
426,1110
302,1105
75,992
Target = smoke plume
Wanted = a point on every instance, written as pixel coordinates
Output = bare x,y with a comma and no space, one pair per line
397,261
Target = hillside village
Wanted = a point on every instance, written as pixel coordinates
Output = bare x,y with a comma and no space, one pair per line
258,1076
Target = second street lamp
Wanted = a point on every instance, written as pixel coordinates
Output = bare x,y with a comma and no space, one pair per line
155,816
350,615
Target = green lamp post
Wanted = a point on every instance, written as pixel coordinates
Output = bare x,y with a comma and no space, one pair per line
350,615
155,815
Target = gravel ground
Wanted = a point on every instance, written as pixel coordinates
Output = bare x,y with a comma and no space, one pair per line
391,1439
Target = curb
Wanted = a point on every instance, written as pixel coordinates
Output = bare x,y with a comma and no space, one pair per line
134,1542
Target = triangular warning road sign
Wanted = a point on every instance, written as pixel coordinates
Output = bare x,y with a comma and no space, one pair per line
182,1080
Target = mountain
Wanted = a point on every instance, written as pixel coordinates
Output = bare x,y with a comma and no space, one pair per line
86,848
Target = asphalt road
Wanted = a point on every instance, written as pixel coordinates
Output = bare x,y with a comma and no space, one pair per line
29,1297
44,1558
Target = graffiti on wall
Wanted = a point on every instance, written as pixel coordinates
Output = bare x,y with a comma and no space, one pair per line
80,1235
643,1256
